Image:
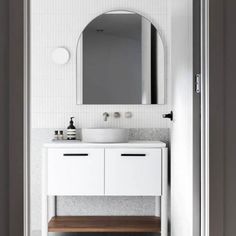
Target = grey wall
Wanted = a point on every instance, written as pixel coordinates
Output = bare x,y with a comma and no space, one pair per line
222,117
11,110
4,116
230,118
216,126
216,120
16,63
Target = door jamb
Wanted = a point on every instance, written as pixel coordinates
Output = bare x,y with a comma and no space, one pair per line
205,167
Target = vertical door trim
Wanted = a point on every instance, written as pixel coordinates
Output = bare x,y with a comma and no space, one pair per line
205,118
196,119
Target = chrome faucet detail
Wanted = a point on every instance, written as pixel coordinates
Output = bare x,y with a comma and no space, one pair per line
105,116
117,114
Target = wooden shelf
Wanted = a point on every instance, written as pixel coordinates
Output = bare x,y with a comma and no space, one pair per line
105,224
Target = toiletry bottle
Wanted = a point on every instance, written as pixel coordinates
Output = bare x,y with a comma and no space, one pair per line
55,135
61,135
71,130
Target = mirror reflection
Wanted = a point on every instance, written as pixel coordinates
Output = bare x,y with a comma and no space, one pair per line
120,60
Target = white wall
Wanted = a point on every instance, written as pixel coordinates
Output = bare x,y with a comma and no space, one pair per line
53,92
59,23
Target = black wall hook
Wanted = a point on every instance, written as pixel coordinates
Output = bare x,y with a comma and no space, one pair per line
169,115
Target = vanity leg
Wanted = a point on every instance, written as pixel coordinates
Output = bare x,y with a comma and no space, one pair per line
51,207
44,218
164,197
44,227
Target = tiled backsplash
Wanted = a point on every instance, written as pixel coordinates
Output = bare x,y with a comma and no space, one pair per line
142,117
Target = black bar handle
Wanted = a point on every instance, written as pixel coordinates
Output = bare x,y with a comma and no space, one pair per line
132,155
75,154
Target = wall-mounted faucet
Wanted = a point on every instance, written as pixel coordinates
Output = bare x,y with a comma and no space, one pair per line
105,116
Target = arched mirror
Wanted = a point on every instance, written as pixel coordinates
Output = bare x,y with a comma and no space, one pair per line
120,60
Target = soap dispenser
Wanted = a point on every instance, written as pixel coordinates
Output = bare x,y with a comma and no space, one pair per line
71,130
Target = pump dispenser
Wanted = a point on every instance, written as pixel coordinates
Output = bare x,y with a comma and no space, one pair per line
71,130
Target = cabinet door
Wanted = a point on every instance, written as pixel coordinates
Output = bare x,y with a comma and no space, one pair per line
130,172
75,171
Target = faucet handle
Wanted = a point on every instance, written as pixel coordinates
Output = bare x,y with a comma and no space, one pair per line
105,115
117,114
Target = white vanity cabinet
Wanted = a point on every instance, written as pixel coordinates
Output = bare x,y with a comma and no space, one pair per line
133,172
76,171
99,169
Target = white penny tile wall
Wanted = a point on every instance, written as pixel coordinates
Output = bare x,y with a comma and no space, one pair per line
56,23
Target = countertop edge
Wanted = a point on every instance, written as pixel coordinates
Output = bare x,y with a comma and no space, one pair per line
78,144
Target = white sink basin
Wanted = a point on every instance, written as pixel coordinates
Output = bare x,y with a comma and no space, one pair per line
105,135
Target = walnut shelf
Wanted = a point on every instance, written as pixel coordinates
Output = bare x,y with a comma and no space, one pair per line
105,224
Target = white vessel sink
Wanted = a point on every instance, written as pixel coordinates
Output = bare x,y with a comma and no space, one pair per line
105,135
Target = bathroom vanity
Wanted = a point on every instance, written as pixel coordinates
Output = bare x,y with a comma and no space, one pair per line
104,169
